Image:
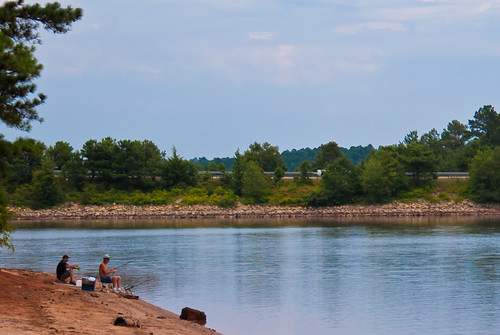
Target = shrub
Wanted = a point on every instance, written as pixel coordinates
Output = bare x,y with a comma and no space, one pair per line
195,196
223,198
161,197
485,176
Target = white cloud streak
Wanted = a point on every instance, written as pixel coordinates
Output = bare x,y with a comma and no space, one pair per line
368,27
260,35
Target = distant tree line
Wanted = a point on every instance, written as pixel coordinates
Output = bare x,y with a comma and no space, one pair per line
139,172
292,158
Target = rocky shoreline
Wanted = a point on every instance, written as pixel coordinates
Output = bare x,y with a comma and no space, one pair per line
178,212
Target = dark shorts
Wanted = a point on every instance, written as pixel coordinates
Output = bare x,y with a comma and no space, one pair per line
106,280
64,276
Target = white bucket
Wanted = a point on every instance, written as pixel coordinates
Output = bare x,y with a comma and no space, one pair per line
79,283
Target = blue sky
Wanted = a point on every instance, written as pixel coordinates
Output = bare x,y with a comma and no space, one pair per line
212,76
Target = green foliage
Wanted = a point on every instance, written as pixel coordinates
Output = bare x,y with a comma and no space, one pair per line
305,174
223,198
221,167
291,194
99,159
486,126
484,176
22,196
74,174
455,135
27,157
438,191
43,192
418,159
327,154
456,189
432,140
195,196
178,172
60,154
266,155
6,152
357,154
5,229
209,183
339,184
202,163
137,173
95,195
19,67
293,158
255,188
162,197
46,192
91,195
279,173
417,194
383,176
234,181
212,166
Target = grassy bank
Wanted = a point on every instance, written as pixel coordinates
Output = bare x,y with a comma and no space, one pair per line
212,193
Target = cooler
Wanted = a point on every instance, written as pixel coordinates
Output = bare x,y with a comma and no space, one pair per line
88,284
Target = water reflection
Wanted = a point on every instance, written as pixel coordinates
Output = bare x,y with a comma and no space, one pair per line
373,224
408,276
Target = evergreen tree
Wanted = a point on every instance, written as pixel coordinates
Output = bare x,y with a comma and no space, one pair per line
59,154
178,172
486,126
255,187
19,25
19,67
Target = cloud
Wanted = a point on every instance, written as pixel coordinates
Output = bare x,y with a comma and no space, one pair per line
437,10
260,35
484,7
430,12
369,26
290,64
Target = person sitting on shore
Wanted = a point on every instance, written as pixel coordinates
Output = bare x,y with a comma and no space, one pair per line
65,270
106,274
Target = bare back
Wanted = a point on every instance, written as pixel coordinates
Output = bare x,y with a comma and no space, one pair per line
103,270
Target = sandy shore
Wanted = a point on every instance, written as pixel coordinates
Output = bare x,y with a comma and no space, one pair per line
30,303
174,212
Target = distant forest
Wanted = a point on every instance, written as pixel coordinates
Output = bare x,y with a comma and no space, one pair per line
293,158
110,171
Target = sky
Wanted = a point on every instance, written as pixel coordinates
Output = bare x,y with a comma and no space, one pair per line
213,76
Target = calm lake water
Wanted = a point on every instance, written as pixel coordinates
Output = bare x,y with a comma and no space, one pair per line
293,277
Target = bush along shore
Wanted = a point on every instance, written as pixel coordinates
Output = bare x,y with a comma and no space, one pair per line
394,209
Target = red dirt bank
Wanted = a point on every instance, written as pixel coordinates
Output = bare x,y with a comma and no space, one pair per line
31,304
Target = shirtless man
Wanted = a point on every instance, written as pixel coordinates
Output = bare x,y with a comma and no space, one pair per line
106,275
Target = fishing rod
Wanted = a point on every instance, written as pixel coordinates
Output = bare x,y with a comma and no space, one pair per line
119,266
137,284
